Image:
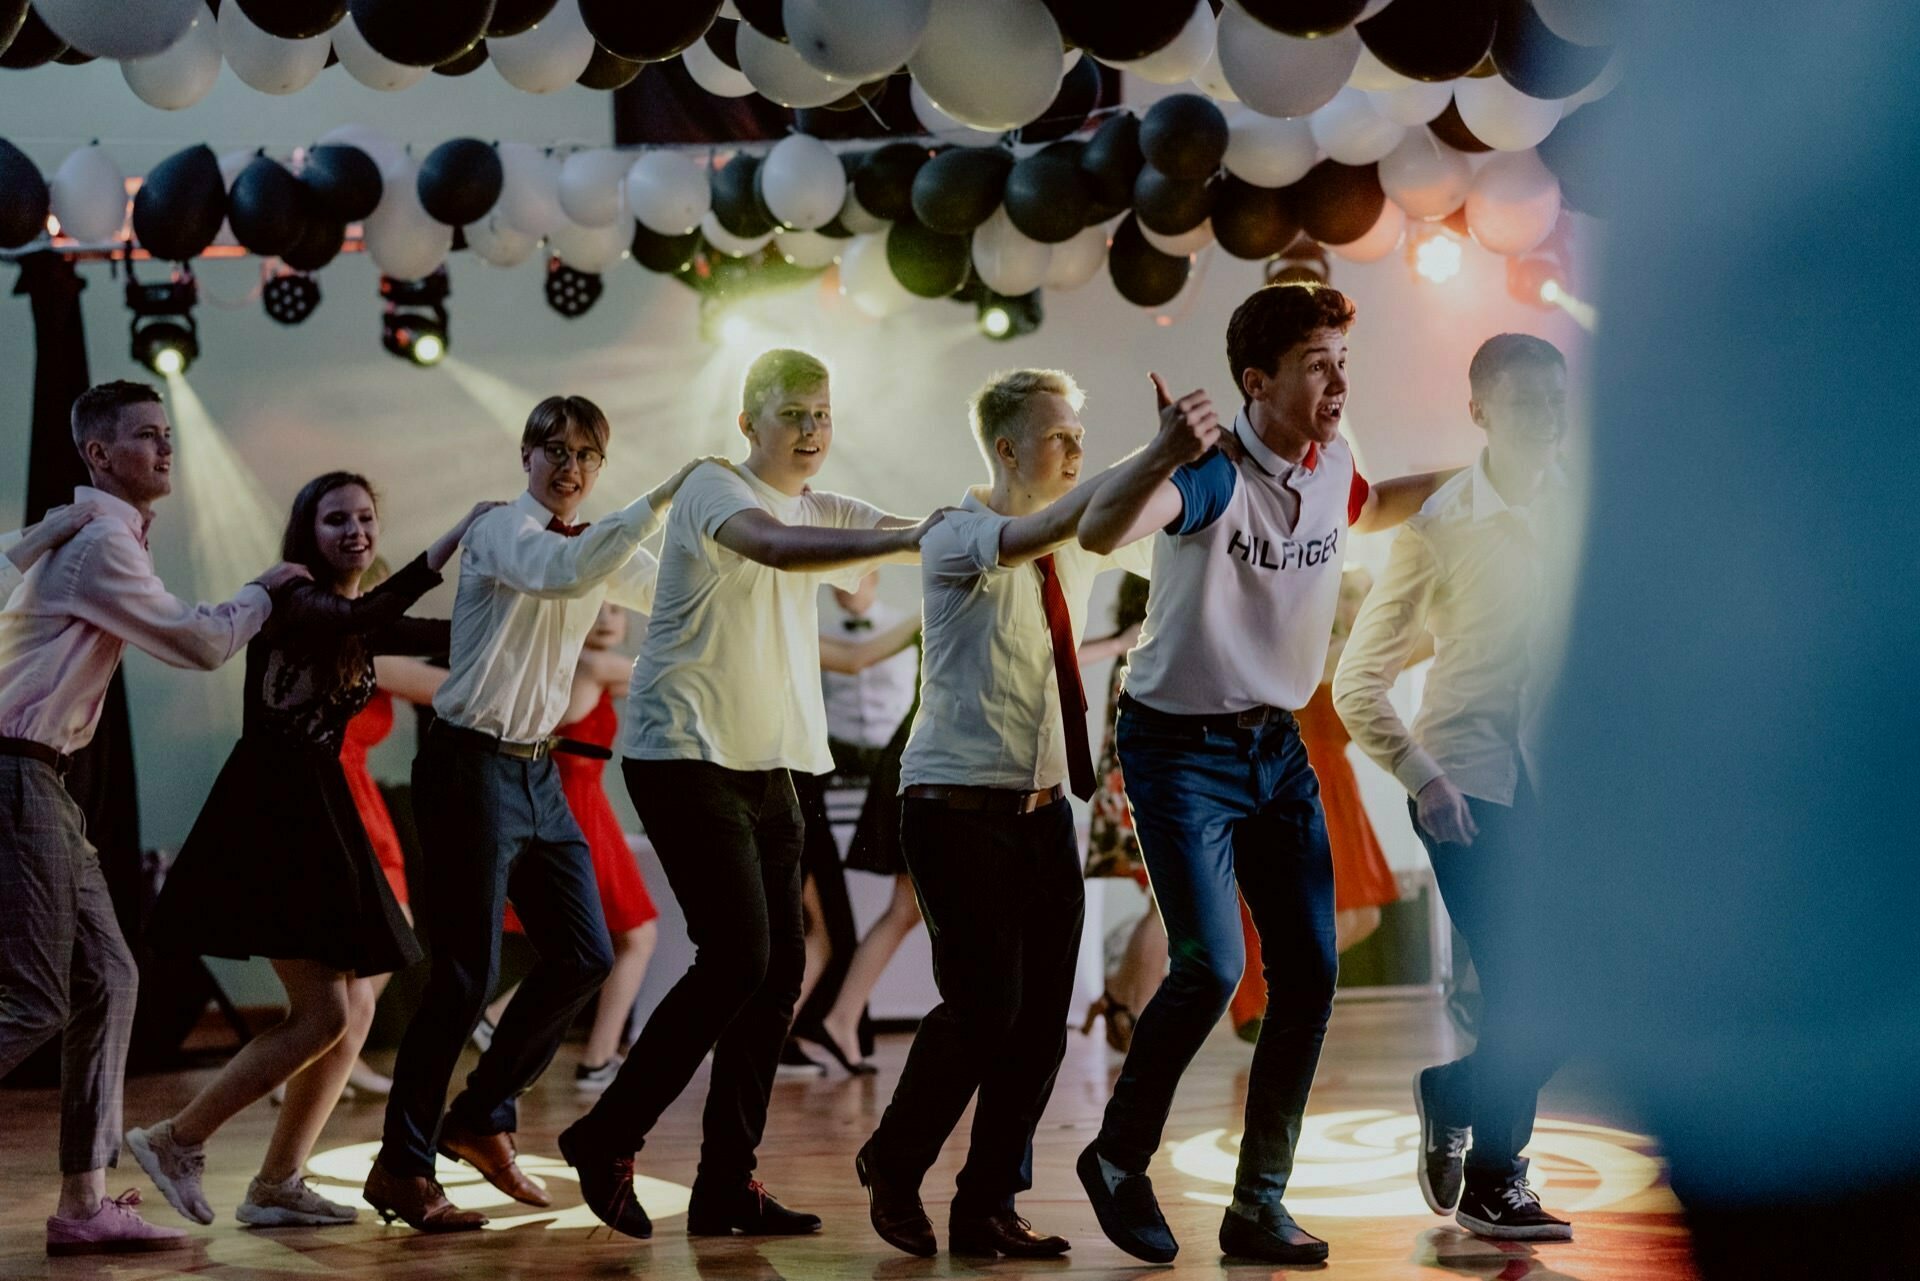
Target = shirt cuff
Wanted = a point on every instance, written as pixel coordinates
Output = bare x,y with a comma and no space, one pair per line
1417,770
255,595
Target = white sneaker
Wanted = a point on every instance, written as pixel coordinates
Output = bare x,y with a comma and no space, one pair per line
175,1168
291,1205
482,1034
364,1080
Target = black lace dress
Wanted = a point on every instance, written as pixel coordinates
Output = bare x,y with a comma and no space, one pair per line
278,863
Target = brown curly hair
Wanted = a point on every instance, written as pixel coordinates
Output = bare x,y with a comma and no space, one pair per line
1277,318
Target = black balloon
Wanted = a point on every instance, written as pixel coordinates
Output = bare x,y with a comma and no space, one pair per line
317,245
1432,39
179,208
344,182
422,33
1112,161
1046,198
464,64
765,16
1121,32
736,198
33,45
650,31
1184,135
459,181
1574,151
1252,222
13,13
72,57
1337,204
1079,94
668,255
609,70
24,199
1536,61
1449,128
723,38
266,208
1170,206
511,17
1306,17
928,263
960,188
294,19
1143,275
884,184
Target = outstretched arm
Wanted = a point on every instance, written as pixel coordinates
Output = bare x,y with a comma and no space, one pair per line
760,536
853,657
1137,496
1390,502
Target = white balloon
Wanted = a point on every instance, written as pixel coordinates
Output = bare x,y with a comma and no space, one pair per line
943,126
1182,57
855,40
529,189
1282,75
402,238
590,249
386,154
728,243
1603,84
1351,131
494,241
1373,7
668,192
1514,203
1413,103
802,182
1426,177
1009,262
1078,260
368,65
119,31
1578,21
992,64
590,185
1184,245
713,75
89,195
855,217
1212,81
1269,151
1503,117
807,248
866,278
267,62
1371,73
182,75
779,74
1381,239
548,57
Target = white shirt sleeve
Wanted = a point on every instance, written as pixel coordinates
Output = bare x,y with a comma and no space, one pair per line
633,583
516,550
842,512
1385,633
1136,557
10,575
965,544
712,495
114,588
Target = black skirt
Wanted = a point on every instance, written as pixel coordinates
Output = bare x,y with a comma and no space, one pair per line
278,865
876,838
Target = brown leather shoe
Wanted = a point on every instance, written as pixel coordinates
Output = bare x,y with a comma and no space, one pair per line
1003,1232
493,1155
419,1201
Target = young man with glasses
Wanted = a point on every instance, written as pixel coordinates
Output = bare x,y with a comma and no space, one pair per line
494,822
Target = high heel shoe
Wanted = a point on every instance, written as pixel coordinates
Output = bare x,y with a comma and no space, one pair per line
827,1042
1120,1021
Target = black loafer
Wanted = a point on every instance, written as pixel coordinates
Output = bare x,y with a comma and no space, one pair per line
1287,1242
1129,1214
749,1210
606,1185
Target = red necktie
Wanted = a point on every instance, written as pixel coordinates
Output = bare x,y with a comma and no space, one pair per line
1066,672
558,526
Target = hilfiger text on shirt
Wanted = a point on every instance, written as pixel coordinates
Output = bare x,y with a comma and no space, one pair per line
1260,552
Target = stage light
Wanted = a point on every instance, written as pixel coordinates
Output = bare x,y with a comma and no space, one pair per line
995,322
163,335
414,326
1550,290
1004,319
1435,255
290,297
572,293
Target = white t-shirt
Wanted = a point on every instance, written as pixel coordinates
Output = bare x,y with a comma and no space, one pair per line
730,669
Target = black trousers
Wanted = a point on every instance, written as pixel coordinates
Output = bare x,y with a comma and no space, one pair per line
1004,902
729,841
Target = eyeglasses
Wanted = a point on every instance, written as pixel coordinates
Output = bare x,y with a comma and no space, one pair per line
557,453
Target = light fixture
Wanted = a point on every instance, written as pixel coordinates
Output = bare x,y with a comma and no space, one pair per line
1302,262
1003,319
290,297
414,326
164,336
572,293
1434,253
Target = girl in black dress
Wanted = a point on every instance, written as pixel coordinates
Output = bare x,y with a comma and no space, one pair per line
278,864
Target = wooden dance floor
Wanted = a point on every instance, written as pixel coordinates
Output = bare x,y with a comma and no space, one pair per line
1354,1183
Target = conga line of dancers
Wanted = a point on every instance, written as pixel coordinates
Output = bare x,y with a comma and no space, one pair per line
1241,522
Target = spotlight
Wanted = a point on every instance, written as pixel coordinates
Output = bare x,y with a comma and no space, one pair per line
164,336
1434,254
1303,262
414,326
1004,319
572,293
290,297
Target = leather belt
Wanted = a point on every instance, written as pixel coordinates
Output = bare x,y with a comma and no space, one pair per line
993,800
59,762
476,740
1251,718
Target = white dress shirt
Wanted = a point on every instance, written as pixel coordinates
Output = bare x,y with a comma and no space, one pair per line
10,575
865,708
989,700
62,634
730,669
526,601
1467,569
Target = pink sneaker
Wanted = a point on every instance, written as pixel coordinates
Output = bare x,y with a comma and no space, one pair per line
116,1227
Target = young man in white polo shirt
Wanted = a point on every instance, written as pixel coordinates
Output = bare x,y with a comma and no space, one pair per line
1246,579
1468,569
985,825
494,822
726,701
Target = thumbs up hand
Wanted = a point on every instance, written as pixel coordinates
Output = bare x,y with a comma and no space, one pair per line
1188,426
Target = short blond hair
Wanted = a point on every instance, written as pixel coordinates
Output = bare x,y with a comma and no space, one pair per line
999,408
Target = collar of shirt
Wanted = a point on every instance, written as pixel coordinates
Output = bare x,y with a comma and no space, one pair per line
1487,502
782,505
1268,461
527,505
118,508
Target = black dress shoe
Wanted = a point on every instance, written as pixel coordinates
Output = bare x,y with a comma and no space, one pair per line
898,1217
1286,1242
1002,1232
1128,1212
749,1210
606,1185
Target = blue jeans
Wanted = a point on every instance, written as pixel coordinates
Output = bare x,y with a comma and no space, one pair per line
1213,807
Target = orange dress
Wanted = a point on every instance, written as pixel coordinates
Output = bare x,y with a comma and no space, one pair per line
365,731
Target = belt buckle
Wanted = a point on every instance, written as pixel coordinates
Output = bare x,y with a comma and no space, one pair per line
1251,718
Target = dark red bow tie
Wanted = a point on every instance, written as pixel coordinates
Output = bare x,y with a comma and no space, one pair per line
558,526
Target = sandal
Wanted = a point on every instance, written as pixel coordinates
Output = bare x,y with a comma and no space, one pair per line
1120,1021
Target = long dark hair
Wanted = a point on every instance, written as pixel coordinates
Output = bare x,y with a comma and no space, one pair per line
298,544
